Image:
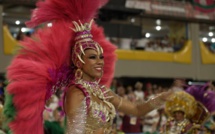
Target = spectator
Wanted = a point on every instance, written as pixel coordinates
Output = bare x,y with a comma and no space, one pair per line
119,115
20,35
158,46
133,44
55,126
162,119
142,43
149,90
168,48
165,41
130,94
178,85
130,123
150,120
124,43
114,85
149,47
139,91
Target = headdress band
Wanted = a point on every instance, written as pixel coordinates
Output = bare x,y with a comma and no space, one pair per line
83,40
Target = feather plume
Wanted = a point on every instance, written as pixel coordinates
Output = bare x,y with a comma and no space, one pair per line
30,79
65,10
201,94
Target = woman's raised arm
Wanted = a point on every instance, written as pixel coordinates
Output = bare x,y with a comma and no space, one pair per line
139,109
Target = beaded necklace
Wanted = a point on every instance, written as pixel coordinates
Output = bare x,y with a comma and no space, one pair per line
103,111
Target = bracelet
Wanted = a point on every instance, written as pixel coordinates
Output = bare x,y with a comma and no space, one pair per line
120,103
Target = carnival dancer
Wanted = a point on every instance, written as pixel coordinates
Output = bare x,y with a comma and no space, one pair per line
73,54
189,110
179,110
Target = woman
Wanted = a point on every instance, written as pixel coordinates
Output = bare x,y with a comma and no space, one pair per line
87,102
102,101
74,55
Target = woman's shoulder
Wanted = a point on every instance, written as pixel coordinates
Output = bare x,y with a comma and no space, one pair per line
75,92
73,100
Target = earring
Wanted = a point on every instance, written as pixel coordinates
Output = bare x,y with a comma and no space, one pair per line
78,74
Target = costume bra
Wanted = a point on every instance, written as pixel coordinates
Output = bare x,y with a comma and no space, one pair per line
95,112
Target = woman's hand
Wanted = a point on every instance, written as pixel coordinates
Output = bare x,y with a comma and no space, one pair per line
160,99
166,96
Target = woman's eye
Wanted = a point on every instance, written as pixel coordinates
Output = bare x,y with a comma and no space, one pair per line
92,57
101,57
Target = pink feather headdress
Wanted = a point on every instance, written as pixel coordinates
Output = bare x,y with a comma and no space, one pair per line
44,63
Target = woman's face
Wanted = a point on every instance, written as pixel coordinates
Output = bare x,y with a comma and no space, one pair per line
179,115
93,67
121,91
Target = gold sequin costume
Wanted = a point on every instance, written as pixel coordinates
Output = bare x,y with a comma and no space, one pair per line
185,103
177,127
92,114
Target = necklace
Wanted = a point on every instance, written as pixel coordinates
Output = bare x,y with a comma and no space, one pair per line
101,92
98,91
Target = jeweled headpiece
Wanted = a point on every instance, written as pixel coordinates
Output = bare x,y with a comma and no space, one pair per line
83,40
182,101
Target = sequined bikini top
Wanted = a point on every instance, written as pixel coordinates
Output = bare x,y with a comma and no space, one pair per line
100,112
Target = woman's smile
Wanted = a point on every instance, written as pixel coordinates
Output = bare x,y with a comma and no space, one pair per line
99,69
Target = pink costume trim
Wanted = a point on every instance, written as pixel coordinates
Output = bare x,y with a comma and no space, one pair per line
86,94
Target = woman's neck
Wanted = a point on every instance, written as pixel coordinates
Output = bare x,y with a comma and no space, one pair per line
89,79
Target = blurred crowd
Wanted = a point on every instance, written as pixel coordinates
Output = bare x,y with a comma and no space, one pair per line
154,121
54,120
138,93
161,44
158,44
